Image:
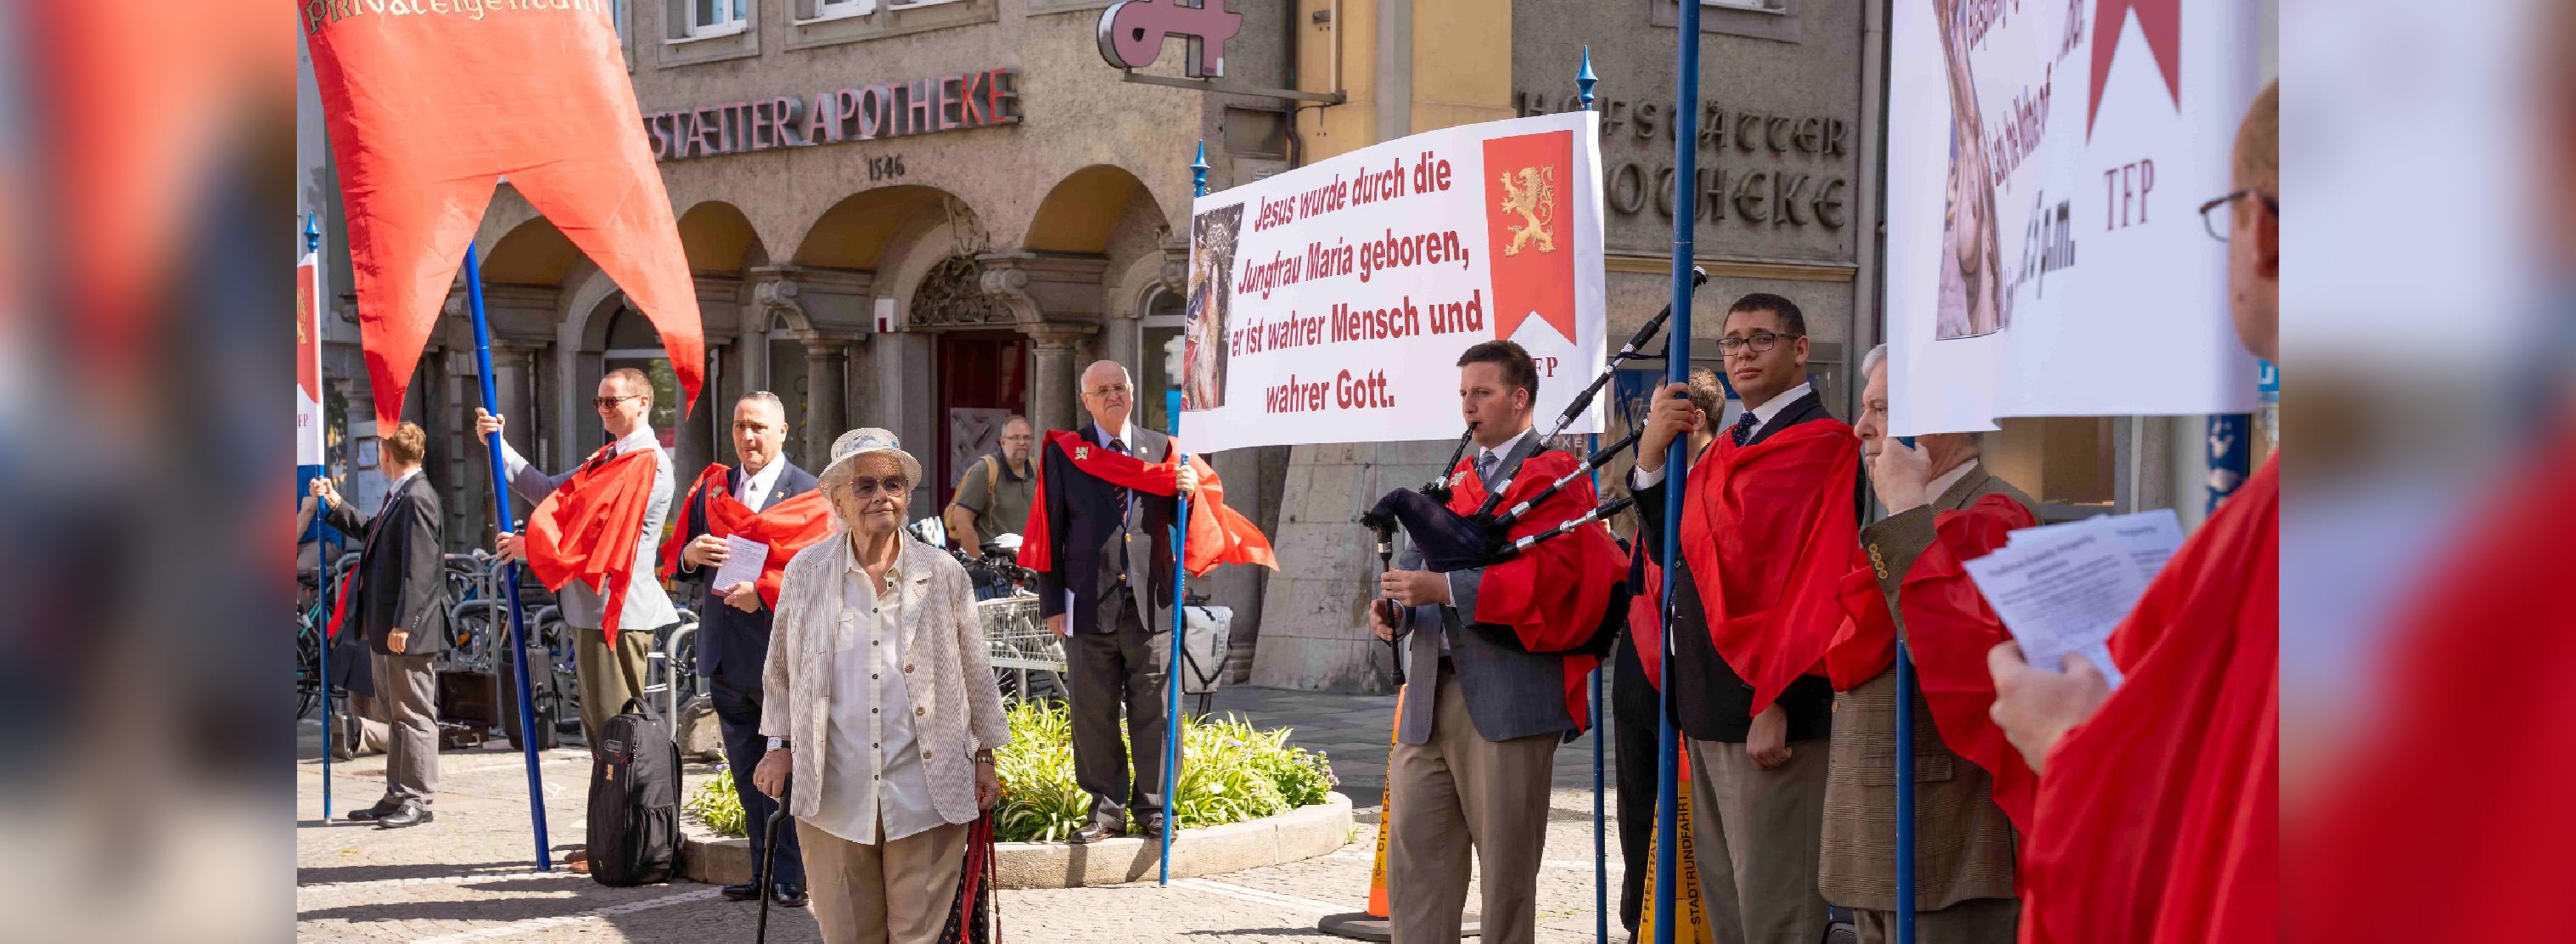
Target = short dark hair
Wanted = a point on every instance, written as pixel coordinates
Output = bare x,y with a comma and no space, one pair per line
1790,317
1518,369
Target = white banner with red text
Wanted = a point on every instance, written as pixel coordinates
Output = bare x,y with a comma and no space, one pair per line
2046,256
1330,303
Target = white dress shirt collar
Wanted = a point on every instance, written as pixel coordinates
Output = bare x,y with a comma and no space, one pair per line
1505,450
756,485
1126,434
1942,483
641,438
1770,409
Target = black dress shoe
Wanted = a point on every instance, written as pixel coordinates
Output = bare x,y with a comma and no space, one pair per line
747,891
411,814
1096,832
373,813
788,895
1153,827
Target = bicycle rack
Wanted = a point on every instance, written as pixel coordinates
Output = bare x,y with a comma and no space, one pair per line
670,688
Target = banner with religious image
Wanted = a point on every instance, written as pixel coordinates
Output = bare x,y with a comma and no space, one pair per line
1330,303
2047,162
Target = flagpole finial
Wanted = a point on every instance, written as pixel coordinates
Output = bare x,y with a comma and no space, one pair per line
1584,79
312,234
1198,172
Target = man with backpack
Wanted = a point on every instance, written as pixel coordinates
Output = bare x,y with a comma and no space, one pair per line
993,495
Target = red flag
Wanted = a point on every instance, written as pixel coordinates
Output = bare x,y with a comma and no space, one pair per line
429,105
587,530
1950,628
1529,234
1218,534
1552,595
2158,817
787,527
1769,530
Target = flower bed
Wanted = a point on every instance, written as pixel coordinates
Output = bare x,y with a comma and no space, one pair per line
1233,773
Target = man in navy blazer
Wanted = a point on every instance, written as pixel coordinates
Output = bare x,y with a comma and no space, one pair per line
733,627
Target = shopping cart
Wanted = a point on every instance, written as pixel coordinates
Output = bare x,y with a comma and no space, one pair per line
1028,661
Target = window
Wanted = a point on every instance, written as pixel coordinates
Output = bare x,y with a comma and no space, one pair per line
1159,338
717,17
835,9
1759,6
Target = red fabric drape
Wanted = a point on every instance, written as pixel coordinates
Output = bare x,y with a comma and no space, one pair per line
1218,534
1769,531
2157,819
588,529
1951,628
426,112
1554,594
787,527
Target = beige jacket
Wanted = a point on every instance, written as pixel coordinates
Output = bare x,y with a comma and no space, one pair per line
956,707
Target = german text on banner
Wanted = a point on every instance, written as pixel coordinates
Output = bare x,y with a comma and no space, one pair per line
2046,165
1330,303
430,104
308,360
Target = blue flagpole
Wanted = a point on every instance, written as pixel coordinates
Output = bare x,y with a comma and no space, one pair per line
1904,793
1685,119
313,244
1180,596
1583,82
510,574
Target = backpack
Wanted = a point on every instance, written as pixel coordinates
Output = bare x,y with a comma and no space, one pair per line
634,800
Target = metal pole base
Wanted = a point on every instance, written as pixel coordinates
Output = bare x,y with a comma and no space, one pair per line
1363,926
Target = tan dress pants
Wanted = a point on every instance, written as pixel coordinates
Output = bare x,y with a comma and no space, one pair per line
896,892
407,704
1757,834
1460,791
608,678
1974,921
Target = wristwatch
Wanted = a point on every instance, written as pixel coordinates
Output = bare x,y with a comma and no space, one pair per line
778,744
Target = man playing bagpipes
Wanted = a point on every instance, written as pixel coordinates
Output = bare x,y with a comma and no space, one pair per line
1944,508
770,500
1512,643
1767,533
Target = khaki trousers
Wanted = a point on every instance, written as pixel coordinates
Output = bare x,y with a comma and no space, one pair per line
1757,834
407,703
1457,791
1974,921
607,679
897,892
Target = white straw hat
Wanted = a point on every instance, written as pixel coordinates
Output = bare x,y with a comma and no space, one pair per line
871,439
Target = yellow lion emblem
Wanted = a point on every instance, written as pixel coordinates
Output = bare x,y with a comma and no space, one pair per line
1531,192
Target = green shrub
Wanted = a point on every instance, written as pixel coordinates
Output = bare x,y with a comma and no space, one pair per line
715,804
1230,773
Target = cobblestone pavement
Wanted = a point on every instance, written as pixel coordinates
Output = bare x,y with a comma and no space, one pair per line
468,875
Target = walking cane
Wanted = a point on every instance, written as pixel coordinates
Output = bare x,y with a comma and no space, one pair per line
769,856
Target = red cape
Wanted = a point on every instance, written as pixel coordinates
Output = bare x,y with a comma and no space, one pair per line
1218,534
1769,531
2446,820
2158,818
1554,594
587,530
1950,627
787,527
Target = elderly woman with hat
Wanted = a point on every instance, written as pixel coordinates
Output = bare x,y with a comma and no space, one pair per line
890,713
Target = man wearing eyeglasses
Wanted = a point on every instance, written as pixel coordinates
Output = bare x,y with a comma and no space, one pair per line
993,496
608,674
1107,591
1767,533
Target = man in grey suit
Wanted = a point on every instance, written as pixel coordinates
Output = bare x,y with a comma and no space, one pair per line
399,606
1108,593
1963,844
1481,716
607,677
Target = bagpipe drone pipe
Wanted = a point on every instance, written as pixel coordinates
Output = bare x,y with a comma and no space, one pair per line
1449,541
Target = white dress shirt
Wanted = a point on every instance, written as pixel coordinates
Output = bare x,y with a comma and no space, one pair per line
874,789
1941,484
756,485
1762,417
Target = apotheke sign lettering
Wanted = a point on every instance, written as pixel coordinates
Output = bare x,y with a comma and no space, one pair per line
866,113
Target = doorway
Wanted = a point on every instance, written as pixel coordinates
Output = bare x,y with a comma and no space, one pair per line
983,379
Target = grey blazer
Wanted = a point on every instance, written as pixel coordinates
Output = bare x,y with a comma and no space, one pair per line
1510,693
647,607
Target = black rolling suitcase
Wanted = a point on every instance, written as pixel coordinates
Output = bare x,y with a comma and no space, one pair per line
634,800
